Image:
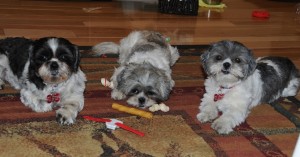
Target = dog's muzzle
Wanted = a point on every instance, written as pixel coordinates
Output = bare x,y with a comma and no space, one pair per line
142,101
226,67
54,68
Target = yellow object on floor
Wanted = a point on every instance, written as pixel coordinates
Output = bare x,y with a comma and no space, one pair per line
131,110
203,4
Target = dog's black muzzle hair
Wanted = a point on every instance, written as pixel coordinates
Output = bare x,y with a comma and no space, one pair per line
142,101
226,66
54,68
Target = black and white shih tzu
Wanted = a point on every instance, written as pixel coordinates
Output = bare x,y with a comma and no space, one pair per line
236,83
47,73
144,75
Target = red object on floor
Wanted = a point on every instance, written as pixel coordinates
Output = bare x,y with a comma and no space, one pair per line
103,120
260,14
121,125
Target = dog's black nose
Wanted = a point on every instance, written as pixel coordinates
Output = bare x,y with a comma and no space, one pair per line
53,66
226,65
142,100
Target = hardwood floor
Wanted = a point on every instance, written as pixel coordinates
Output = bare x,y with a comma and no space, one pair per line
89,22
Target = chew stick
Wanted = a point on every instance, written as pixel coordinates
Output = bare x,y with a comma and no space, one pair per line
107,83
131,110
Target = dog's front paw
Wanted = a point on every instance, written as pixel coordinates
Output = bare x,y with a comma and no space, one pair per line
222,125
65,116
204,117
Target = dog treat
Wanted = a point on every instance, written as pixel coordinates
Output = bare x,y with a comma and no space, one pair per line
131,110
156,107
107,83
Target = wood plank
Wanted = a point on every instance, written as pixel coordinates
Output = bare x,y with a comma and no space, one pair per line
34,33
111,21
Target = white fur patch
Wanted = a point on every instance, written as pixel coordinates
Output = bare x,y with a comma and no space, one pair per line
291,89
227,60
53,44
270,63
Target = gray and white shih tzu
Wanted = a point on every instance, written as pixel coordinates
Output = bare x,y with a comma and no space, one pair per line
236,83
144,75
47,73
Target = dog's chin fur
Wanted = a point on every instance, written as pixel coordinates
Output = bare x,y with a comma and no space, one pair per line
55,79
244,83
144,75
226,79
62,74
40,69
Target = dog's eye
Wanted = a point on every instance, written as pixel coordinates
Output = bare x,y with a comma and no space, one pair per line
237,60
218,57
62,57
43,58
134,91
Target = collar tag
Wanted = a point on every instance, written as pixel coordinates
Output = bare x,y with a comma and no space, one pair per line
53,97
218,97
221,93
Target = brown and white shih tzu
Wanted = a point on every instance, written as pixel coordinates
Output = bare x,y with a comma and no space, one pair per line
236,83
144,75
47,73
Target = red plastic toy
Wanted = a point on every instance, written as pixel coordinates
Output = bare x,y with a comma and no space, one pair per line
261,14
115,122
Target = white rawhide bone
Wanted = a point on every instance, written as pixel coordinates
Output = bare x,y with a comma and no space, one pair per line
156,107
107,83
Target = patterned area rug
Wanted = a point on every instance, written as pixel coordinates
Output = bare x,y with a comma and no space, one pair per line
290,108
176,133
166,135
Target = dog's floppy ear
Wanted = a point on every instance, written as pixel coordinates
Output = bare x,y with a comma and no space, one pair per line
166,89
204,57
206,53
77,55
119,76
32,71
30,52
174,55
251,63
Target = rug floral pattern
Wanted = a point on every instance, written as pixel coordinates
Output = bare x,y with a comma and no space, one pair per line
165,135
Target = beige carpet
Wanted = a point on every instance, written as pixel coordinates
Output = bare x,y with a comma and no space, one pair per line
165,135
23,132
